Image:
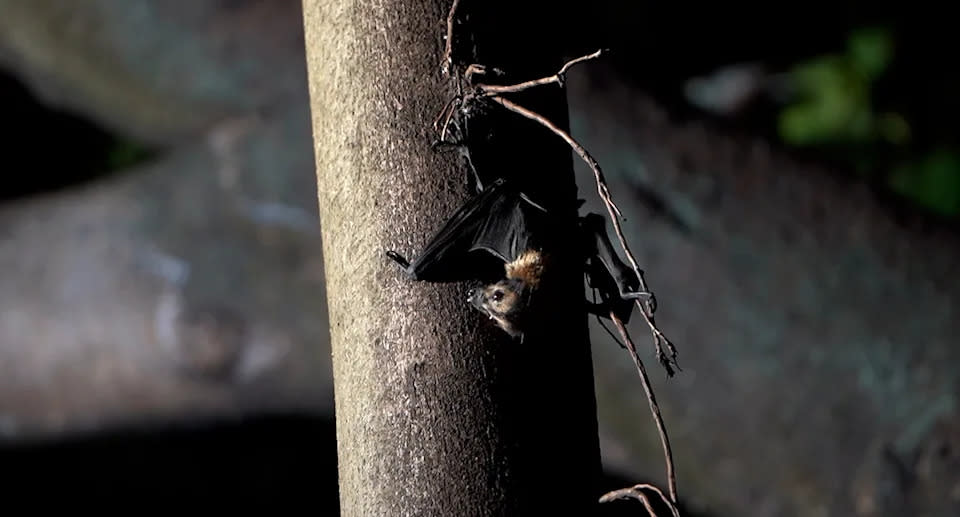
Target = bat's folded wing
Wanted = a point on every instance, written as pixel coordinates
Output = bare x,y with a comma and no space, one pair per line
496,221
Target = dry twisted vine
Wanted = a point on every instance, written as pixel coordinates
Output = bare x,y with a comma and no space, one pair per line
668,358
666,352
654,409
639,492
448,45
493,93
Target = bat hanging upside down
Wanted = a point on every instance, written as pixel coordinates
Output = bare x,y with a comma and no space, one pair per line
503,222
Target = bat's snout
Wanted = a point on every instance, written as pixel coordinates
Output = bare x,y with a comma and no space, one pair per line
475,297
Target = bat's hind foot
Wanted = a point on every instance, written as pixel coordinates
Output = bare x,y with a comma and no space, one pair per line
645,297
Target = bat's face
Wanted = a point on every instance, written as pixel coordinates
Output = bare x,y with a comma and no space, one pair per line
505,302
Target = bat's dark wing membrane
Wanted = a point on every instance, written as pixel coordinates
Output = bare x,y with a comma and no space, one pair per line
513,224
613,279
497,221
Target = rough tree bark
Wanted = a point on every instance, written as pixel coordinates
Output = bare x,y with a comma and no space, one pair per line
438,413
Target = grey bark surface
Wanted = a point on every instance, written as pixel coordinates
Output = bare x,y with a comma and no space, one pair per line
438,413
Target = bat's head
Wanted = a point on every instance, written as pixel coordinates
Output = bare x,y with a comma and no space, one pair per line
509,301
505,302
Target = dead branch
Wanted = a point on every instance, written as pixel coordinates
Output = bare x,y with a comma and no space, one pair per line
490,90
629,493
638,492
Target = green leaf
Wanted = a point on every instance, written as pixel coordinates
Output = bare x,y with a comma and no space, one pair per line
934,182
894,128
870,51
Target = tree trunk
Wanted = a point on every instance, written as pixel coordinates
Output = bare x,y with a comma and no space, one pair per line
438,412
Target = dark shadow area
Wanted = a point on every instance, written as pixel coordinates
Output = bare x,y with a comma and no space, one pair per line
47,149
283,461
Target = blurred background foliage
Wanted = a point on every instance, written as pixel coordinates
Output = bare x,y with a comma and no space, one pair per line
866,89
62,147
833,109
835,101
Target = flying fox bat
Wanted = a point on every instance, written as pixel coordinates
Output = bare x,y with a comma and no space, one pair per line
503,223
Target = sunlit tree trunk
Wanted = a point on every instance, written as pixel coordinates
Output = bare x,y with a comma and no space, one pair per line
438,412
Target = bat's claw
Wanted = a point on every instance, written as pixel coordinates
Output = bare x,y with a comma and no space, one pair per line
442,146
668,361
398,258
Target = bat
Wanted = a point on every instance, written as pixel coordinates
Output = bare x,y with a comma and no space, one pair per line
505,238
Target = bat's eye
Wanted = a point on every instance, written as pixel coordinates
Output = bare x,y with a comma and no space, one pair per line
497,295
